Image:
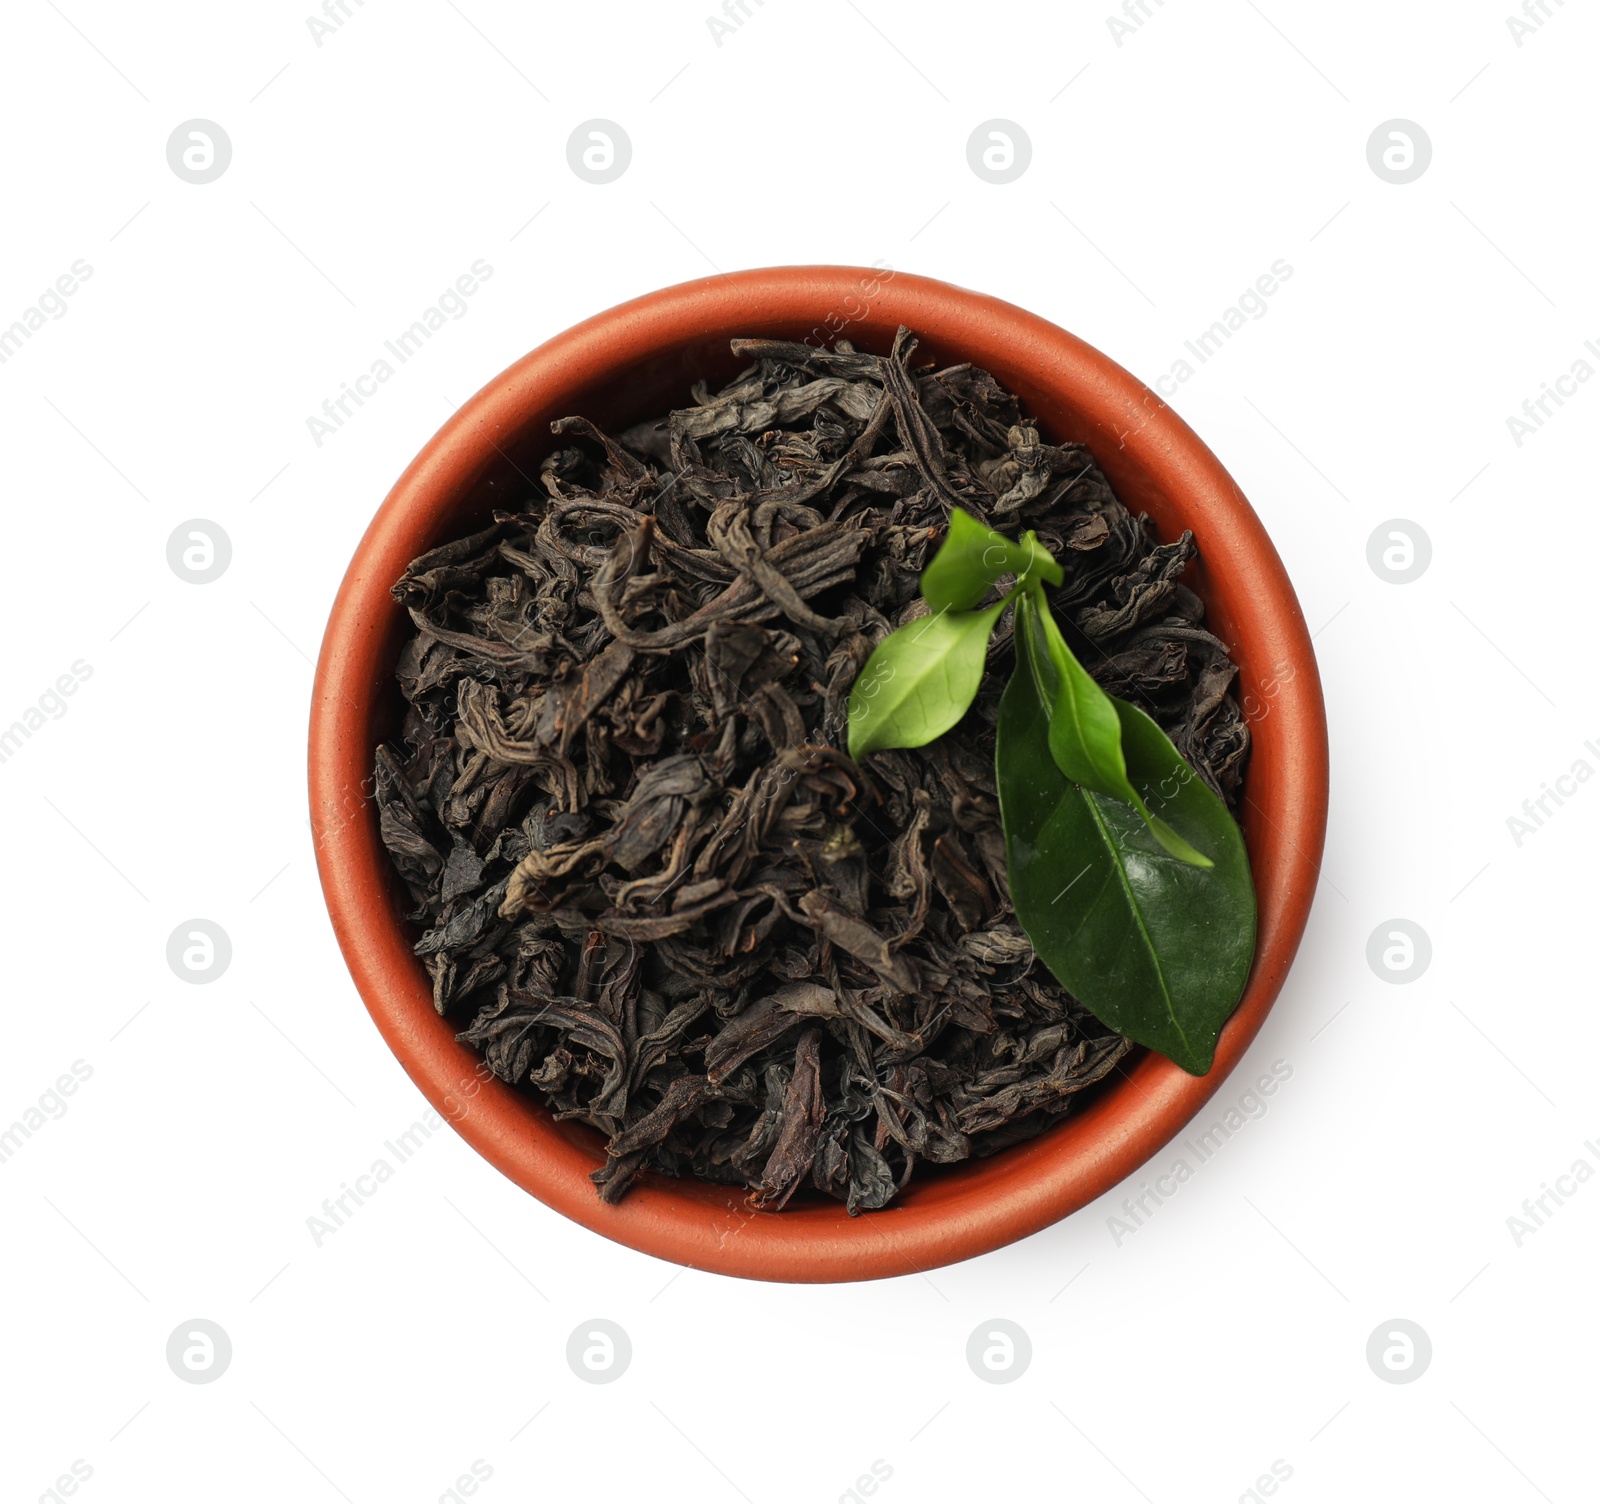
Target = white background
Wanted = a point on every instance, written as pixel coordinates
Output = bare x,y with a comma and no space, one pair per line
1168,173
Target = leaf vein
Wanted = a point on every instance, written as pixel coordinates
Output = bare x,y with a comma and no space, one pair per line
1138,914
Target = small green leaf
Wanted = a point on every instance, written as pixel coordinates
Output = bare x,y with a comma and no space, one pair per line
920,680
1085,733
1153,946
1088,727
972,557
1157,769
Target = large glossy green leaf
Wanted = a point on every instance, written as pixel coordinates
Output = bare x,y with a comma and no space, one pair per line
920,680
1153,946
973,557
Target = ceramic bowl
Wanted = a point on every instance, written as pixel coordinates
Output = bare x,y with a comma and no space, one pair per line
640,359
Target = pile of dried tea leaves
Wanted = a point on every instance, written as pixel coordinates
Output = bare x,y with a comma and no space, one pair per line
650,883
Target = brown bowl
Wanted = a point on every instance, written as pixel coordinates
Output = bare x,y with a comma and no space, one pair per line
639,359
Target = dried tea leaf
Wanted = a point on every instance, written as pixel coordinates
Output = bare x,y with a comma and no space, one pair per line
646,876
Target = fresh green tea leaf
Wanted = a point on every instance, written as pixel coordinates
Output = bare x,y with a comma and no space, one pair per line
968,562
1085,732
1088,727
1155,947
1156,770
972,557
920,680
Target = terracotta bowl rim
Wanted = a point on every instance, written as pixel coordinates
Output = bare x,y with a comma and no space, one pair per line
962,1211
